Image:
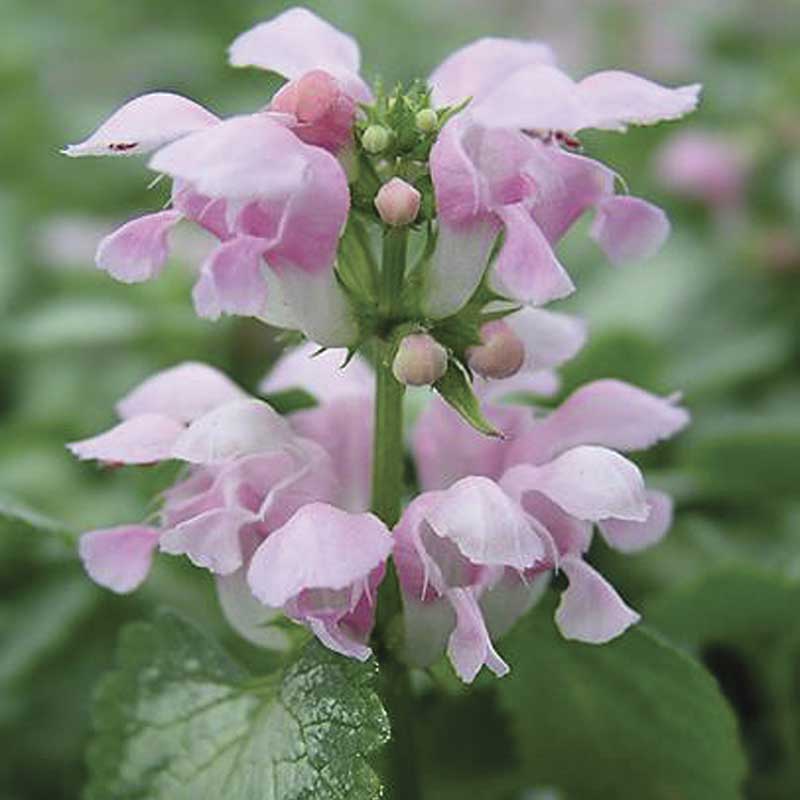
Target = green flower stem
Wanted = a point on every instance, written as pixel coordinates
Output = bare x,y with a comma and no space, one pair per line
402,778
393,272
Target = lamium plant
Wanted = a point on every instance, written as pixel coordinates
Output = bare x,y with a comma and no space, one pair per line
409,234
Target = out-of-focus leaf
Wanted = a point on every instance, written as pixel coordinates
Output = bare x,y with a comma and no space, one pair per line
746,456
744,621
733,604
37,620
633,718
466,746
179,719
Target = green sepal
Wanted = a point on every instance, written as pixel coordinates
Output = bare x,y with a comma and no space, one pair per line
456,390
291,400
356,262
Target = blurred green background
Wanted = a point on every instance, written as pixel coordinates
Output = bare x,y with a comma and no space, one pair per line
716,315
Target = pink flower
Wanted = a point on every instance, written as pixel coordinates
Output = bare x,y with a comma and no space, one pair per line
704,166
562,473
479,539
296,42
249,472
323,567
491,174
266,185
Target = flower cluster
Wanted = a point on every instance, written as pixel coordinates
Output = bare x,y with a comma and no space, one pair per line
470,180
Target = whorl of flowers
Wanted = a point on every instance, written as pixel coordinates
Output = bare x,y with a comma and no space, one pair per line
416,230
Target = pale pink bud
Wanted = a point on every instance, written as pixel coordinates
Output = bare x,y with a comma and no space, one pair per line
398,202
502,353
420,360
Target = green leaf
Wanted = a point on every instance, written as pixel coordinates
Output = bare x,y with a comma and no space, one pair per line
356,260
746,619
738,603
633,718
17,517
179,719
456,390
45,593
41,617
745,457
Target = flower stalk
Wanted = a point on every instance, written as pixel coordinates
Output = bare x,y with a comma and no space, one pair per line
387,490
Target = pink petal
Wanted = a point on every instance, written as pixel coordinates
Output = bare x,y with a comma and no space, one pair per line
232,280
481,65
580,185
469,647
527,268
446,448
241,158
137,251
143,124
569,534
542,383
119,558
609,413
209,214
550,338
455,176
146,439
314,218
486,525
544,98
590,610
321,547
210,540
240,428
535,97
616,99
343,426
590,483
629,229
184,393
412,562
327,375
476,169
330,633
630,537
297,41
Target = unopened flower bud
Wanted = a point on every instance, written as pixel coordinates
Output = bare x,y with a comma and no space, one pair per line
427,120
375,139
420,360
397,202
502,353
324,112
